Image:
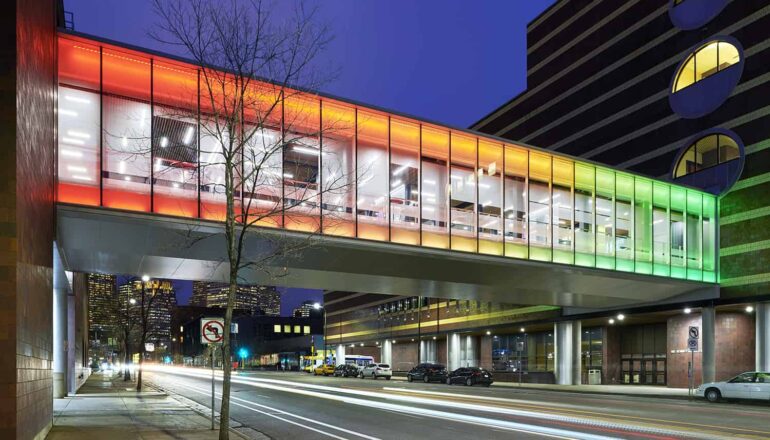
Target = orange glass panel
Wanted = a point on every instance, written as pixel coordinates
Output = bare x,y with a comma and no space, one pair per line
490,197
404,182
78,194
129,200
126,74
301,162
515,212
372,171
78,64
434,195
180,207
175,85
338,169
463,193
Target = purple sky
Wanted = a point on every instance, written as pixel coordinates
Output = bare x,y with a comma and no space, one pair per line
451,61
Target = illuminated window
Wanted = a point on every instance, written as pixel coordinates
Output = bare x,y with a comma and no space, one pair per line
297,329
287,328
708,151
277,328
306,330
711,58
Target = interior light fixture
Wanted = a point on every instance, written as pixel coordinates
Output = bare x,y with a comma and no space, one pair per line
687,310
78,134
188,135
306,150
68,112
164,142
76,169
77,99
612,321
621,316
749,309
72,141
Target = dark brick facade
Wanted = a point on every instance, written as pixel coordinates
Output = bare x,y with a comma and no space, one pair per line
27,100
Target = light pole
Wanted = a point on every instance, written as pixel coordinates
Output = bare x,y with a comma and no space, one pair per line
318,306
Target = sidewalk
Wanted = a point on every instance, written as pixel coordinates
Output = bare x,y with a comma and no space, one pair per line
106,407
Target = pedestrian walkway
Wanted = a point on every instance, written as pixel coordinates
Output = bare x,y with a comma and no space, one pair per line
106,407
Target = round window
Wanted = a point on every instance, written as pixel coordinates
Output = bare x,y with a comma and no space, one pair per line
706,77
692,14
711,160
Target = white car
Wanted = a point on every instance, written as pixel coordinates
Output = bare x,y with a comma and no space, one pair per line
376,370
751,385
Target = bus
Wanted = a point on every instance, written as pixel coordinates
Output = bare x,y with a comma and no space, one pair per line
359,360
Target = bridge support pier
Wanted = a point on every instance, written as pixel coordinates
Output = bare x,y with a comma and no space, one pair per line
60,300
428,351
762,317
567,352
339,354
462,351
708,353
386,352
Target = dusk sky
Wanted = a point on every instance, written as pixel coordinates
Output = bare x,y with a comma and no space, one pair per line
450,61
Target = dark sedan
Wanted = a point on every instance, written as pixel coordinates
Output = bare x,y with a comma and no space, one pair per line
470,376
427,372
346,370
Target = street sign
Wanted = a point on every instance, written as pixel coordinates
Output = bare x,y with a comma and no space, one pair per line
234,327
149,346
694,332
692,344
212,330
519,345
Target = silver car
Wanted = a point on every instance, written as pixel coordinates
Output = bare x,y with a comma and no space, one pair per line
376,370
750,385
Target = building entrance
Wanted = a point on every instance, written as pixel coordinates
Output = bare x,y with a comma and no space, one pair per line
643,354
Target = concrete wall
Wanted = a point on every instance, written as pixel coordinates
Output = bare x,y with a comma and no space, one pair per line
27,141
611,353
78,356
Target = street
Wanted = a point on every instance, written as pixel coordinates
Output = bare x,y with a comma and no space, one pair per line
298,405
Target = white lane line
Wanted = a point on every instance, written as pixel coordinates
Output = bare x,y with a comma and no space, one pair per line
536,414
442,415
278,411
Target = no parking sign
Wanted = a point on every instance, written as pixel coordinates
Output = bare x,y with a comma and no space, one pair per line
212,330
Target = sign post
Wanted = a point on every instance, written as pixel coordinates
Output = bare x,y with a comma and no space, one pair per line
212,334
693,333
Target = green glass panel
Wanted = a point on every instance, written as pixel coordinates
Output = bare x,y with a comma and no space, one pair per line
676,227
605,218
661,233
694,236
709,238
624,222
643,225
585,219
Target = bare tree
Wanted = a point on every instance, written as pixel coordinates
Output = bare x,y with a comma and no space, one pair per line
147,290
257,141
125,311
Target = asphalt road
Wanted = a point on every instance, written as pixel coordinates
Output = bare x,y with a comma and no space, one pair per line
300,406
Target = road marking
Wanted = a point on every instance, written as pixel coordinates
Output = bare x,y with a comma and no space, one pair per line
488,423
278,411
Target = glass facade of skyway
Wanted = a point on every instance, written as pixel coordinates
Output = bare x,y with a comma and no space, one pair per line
133,135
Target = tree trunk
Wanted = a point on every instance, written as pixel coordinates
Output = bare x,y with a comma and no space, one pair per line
126,360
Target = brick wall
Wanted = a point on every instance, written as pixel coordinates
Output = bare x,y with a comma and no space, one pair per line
734,349
404,356
27,100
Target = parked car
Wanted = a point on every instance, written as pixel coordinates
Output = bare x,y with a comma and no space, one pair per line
376,370
427,372
470,376
324,370
346,370
750,385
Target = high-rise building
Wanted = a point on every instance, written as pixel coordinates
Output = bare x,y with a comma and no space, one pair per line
304,310
160,306
101,296
256,299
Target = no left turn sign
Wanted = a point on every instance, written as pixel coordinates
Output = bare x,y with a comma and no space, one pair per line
212,330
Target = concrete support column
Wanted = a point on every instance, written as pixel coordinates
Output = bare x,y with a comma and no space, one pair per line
339,355
428,351
386,352
453,351
567,352
470,351
708,349
60,290
762,317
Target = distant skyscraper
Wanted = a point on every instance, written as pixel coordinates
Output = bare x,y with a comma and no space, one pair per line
160,310
101,297
256,299
304,310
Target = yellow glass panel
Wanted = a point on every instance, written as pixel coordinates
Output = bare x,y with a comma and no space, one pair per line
706,61
540,166
728,55
686,75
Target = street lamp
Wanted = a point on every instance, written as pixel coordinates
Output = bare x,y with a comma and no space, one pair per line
318,306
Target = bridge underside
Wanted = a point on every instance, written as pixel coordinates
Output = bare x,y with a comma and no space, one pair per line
107,241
